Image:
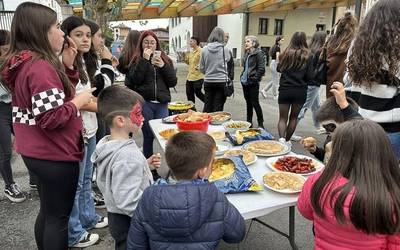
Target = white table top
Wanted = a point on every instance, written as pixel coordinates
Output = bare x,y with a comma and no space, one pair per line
249,204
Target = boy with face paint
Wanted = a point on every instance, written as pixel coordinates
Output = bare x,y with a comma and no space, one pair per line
123,171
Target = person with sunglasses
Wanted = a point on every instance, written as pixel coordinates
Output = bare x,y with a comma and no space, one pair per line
334,111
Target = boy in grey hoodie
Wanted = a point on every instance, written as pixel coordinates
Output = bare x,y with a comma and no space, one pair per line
123,173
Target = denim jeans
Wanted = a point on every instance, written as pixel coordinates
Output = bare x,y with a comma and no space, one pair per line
275,77
395,141
151,111
312,102
83,215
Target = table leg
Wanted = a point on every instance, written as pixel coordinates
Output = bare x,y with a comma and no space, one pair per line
291,228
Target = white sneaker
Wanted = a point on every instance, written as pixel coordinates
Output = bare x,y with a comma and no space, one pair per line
282,140
103,222
87,240
295,137
320,131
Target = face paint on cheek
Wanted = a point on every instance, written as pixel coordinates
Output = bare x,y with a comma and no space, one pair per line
136,115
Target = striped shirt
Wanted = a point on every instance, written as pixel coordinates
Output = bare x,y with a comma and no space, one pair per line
379,103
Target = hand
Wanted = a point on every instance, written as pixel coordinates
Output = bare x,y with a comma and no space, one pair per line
105,53
114,61
83,98
154,161
147,53
337,89
158,62
309,143
69,53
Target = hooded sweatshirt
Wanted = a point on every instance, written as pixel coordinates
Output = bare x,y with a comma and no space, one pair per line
188,215
46,123
212,62
122,174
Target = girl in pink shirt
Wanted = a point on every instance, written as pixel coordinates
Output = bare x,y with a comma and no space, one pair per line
355,202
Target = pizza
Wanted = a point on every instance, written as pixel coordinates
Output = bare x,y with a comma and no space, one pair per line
248,156
265,147
221,168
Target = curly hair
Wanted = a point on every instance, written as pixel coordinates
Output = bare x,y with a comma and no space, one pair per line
345,30
376,54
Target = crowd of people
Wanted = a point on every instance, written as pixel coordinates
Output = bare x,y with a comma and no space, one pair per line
68,118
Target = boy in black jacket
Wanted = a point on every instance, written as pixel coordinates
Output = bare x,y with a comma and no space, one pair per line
191,214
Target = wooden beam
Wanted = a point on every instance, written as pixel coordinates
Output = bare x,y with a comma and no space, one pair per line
143,6
184,5
204,5
165,5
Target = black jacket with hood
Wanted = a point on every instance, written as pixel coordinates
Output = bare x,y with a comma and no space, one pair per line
152,82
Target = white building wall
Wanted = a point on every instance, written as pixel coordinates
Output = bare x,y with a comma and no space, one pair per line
11,5
234,25
182,30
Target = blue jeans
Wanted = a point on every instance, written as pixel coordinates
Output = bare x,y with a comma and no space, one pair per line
312,102
151,111
83,215
395,141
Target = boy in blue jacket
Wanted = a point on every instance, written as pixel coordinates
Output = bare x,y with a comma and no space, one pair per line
191,214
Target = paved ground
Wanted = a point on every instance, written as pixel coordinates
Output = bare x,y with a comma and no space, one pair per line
17,220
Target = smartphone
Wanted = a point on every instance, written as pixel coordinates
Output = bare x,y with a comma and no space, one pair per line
157,54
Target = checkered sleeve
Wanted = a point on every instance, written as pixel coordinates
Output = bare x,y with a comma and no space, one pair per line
50,107
47,100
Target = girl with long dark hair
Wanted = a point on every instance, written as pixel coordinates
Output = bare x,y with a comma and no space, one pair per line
253,71
275,75
374,68
295,65
151,75
313,101
336,48
46,120
355,202
129,49
83,216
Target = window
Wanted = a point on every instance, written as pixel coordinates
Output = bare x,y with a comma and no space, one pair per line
278,31
234,52
1,5
320,27
263,26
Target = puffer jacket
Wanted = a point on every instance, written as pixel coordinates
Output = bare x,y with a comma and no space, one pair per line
190,215
256,66
152,83
329,234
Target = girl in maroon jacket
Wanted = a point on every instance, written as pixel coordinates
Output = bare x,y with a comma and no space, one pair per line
46,117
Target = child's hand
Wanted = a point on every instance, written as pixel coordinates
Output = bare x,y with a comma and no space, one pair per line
309,143
154,161
337,89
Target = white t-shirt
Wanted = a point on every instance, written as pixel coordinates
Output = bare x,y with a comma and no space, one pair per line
89,118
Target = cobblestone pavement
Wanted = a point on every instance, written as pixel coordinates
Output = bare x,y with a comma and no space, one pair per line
17,220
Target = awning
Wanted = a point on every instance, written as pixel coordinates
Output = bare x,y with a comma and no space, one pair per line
147,9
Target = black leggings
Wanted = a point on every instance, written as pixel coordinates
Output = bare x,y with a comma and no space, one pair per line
119,224
214,96
194,87
286,129
5,143
57,186
251,96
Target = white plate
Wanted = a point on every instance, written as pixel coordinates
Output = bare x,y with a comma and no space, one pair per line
284,191
223,147
318,165
286,148
255,159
